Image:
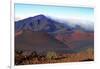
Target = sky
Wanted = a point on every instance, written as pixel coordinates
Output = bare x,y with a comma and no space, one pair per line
62,12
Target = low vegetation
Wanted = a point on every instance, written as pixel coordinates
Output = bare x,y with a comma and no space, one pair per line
52,57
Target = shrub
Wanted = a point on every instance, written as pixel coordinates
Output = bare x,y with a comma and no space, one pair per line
51,55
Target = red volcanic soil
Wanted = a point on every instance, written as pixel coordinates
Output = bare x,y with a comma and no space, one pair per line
38,41
77,35
18,33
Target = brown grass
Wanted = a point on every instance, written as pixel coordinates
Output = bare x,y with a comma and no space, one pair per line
74,57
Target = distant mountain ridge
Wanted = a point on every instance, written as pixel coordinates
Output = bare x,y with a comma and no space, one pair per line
38,23
45,24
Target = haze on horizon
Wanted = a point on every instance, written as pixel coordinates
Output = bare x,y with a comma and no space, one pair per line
61,12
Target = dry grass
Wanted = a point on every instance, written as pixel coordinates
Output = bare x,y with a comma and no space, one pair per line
74,57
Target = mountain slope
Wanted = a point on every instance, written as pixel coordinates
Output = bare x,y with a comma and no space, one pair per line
41,33
39,42
40,23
